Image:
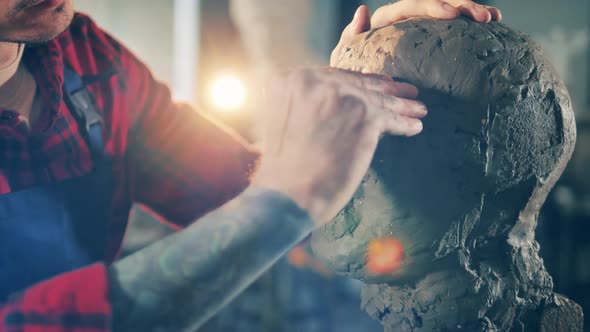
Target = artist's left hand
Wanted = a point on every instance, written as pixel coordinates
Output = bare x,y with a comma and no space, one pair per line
405,9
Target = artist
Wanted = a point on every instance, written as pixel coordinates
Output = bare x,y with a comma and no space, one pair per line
85,131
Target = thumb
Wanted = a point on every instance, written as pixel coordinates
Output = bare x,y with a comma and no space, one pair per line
361,22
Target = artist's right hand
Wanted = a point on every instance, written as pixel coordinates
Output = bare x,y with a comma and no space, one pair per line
322,131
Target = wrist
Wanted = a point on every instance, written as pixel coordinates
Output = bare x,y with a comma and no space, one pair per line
297,192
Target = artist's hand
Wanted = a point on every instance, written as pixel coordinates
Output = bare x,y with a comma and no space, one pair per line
404,9
320,137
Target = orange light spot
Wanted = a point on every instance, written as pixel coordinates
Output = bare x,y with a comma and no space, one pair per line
384,256
298,257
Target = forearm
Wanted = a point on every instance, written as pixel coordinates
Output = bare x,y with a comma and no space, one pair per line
181,281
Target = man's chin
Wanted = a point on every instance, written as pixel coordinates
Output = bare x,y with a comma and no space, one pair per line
41,32
43,38
35,39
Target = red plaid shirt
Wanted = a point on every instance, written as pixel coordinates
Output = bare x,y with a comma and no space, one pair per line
168,157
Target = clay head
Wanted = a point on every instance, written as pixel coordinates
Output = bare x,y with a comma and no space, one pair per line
499,132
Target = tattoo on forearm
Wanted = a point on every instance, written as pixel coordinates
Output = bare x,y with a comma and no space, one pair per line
178,283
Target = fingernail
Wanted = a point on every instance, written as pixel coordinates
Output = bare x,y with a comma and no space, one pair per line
356,16
417,126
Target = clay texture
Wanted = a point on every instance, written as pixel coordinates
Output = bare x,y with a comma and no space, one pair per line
463,197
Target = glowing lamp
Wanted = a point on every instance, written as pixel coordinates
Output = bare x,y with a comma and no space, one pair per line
228,93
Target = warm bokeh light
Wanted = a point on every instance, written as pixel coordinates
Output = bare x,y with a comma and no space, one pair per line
384,256
298,257
228,93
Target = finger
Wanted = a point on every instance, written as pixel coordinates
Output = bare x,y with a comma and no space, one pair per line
401,90
377,83
472,10
380,77
380,102
361,22
395,124
386,114
400,106
405,9
496,13
407,107
390,89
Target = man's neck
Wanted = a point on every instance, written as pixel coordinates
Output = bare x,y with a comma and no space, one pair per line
8,53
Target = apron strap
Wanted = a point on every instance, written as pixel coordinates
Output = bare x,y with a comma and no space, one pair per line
97,190
84,107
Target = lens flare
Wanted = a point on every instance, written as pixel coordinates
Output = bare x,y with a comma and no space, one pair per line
228,93
384,256
298,257
301,259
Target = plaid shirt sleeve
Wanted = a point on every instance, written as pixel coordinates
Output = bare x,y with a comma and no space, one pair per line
72,302
182,163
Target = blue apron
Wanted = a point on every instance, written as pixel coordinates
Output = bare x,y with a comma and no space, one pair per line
51,229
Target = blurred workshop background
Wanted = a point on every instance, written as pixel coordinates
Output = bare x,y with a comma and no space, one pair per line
214,54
